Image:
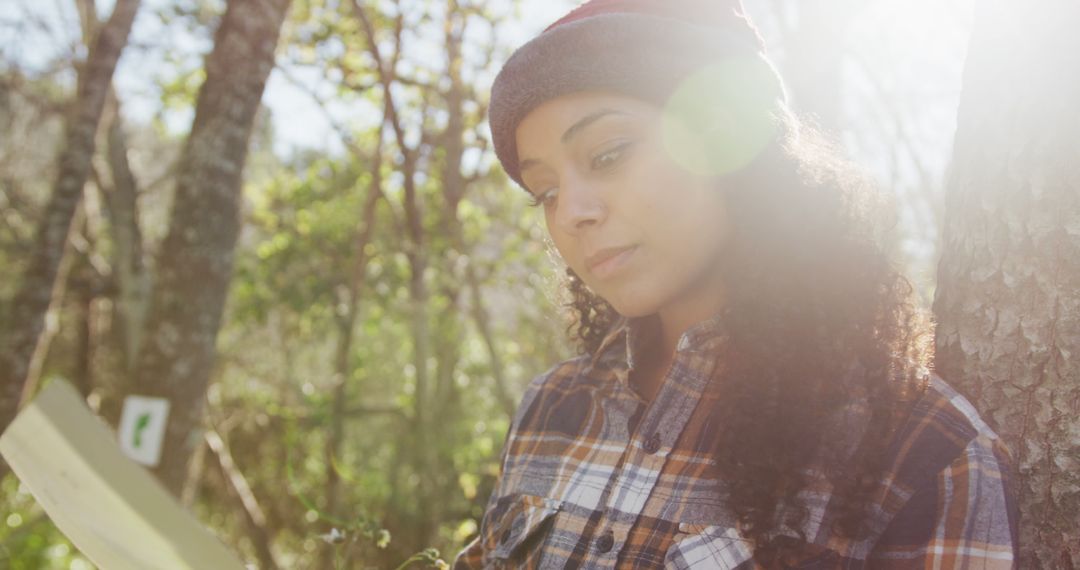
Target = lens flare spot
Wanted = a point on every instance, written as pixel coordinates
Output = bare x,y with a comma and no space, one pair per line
722,116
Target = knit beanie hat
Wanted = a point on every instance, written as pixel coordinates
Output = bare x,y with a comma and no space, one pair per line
702,60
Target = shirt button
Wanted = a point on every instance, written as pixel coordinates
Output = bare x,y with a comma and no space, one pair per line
605,542
652,445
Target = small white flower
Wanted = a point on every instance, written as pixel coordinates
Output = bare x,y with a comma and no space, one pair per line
335,536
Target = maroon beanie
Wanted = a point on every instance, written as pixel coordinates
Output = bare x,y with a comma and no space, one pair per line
642,48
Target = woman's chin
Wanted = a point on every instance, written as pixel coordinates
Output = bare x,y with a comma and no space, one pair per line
632,306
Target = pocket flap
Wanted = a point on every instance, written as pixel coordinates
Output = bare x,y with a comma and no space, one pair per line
521,520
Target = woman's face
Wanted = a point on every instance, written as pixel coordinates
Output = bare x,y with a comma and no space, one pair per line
641,231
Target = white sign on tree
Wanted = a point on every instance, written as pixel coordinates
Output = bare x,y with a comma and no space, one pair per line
142,428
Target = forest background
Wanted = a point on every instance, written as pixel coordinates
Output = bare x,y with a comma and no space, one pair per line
285,217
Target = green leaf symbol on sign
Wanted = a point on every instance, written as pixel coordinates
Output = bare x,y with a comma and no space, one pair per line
140,425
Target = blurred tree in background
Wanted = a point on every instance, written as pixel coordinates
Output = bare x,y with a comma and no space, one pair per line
386,308
36,287
345,323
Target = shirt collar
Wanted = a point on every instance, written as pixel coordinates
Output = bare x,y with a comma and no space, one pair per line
632,334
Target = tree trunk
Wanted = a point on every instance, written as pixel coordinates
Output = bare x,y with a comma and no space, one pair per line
19,336
1008,297
196,258
82,375
51,322
130,280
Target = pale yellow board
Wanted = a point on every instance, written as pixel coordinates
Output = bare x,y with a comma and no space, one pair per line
114,511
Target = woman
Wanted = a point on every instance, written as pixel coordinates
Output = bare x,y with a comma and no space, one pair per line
753,389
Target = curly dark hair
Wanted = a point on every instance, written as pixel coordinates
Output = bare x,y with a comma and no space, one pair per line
819,317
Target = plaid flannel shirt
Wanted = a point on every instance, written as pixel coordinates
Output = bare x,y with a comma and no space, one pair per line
592,476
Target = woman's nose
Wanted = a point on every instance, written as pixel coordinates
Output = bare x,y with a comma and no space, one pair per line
578,205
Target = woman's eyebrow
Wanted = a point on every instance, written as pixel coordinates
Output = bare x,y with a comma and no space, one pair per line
573,131
586,121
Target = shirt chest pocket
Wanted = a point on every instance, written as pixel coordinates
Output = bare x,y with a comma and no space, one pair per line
701,546
720,547
516,529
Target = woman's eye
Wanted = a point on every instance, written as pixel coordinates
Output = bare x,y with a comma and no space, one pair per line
610,157
542,199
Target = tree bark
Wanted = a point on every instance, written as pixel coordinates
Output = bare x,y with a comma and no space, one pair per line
19,336
129,274
130,279
1008,297
195,261
51,322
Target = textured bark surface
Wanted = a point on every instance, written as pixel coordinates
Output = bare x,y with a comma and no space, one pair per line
195,261
1008,298
19,336
131,279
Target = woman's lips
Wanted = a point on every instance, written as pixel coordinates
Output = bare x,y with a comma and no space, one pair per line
606,265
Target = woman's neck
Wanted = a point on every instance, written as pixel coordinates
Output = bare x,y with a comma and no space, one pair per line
674,323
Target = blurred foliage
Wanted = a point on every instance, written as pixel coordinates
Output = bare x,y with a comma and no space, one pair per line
273,397
28,540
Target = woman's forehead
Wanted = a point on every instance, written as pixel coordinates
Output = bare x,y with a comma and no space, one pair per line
559,119
584,102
